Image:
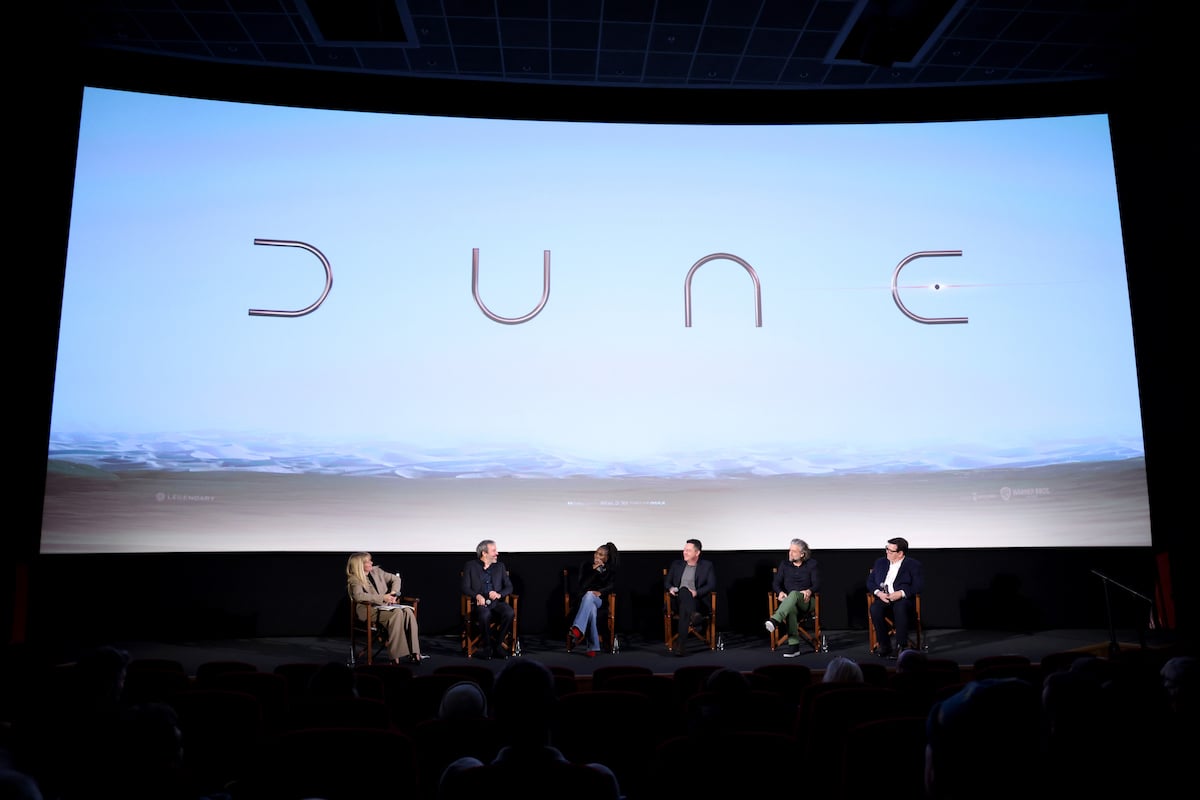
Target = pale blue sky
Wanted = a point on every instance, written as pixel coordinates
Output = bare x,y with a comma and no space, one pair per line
171,193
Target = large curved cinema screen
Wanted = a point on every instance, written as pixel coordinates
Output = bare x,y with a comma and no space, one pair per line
313,330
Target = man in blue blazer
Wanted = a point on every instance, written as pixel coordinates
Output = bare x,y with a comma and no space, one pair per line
689,581
896,580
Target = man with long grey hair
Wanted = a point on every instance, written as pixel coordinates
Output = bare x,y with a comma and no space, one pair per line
797,579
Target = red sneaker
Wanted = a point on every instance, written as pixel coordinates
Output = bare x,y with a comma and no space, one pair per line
591,653
576,634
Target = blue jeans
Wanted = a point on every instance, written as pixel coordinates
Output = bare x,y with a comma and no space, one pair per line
585,619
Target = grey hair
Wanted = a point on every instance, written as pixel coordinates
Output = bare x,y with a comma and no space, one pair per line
805,553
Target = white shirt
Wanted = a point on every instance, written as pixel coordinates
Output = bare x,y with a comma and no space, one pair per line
890,580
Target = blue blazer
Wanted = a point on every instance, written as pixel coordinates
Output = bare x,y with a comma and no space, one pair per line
706,579
909,579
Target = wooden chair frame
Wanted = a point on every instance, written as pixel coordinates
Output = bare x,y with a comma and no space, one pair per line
608,625
469,638
813,637
369,630
708,635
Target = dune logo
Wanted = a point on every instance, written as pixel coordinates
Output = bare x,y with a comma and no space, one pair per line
687,287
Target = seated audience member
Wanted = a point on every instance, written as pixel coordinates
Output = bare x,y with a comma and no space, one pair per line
1180,676
146,759
486,583
463,700
16,785
597,580
797,579
689,581
912,661
722,706
462,729
896,579
77,712
524,701
916,679
367,582
984,742
101,679
1098,670
842,670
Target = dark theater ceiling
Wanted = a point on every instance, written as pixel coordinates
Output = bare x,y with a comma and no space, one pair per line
739,44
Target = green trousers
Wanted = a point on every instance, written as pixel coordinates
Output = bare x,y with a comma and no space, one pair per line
791,611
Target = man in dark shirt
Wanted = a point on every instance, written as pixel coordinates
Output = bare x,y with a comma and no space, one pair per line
485,581
796,581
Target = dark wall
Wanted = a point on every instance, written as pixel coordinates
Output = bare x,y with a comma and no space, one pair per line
245,595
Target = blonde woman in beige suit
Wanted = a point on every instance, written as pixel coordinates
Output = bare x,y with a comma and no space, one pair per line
365,581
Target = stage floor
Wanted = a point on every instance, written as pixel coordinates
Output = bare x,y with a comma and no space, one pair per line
738,651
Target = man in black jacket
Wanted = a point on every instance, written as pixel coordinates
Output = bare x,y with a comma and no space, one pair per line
485,581
895,580
689,581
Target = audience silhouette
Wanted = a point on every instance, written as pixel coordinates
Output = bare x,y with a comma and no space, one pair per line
842,670
463,700
1121,722
525,701
983,742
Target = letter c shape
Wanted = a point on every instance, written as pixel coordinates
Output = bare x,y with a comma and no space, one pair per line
896,289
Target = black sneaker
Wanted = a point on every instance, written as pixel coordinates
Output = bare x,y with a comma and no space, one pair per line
792,650
770,625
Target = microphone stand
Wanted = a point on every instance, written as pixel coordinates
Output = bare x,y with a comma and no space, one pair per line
1113,647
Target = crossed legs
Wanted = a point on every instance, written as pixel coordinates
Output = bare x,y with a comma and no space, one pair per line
791,610
586,619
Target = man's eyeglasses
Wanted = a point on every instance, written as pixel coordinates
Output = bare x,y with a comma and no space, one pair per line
890,550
